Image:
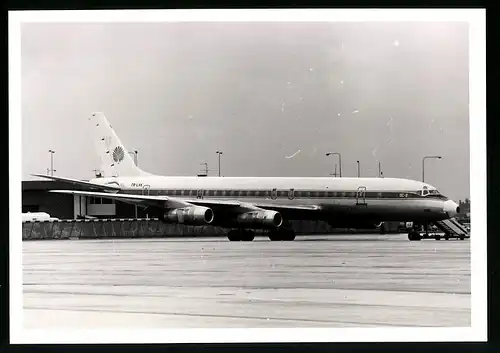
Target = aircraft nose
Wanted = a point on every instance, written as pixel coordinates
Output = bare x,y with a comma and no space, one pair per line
451,208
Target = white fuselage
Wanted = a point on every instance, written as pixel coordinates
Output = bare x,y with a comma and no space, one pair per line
380,198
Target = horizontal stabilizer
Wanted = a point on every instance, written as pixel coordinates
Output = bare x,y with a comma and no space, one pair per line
81,183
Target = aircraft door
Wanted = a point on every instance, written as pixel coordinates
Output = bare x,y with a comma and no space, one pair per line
199,194
361,196
145,190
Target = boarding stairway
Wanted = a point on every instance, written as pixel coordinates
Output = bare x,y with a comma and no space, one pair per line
452,229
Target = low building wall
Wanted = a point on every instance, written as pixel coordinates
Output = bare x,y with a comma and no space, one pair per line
147,228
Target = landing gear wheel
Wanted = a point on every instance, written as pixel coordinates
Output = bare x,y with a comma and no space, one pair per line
437,237
414,236
462,237
446,237
248,235
240,235
233,235
282,235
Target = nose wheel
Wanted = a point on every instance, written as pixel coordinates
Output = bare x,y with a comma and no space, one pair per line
414,236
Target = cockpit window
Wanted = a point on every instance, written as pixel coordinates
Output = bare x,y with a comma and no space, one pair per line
433,192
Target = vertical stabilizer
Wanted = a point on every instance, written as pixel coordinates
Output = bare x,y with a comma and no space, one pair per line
115,159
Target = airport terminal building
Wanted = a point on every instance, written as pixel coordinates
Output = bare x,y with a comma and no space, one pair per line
37,198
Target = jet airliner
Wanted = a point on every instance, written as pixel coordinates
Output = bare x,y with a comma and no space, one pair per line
244,204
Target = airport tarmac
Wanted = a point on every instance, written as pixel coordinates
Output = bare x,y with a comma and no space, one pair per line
315,281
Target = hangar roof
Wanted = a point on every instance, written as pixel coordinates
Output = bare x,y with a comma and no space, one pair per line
45,185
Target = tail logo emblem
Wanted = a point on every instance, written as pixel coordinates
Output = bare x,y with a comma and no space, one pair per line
118,154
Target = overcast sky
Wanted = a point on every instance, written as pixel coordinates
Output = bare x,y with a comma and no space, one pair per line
260,92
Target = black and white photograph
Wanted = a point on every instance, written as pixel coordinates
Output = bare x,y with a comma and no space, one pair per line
291,175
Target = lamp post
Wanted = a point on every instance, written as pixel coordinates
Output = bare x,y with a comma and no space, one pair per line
358,167
219,153
52,162
340,161
423,164
379,170
205,169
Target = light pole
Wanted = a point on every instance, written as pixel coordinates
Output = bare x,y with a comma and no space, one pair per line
340,161
219,153
358,167
379,170
423,164
52,162
206,168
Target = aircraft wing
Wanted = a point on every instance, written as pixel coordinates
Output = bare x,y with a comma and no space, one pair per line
254,206
141,200
174,202
81,183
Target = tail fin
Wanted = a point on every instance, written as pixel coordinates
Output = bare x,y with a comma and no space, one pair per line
115,159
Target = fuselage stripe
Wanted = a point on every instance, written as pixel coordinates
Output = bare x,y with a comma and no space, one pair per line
283,194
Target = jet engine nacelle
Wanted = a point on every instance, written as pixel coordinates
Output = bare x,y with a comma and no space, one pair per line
195,215
266,219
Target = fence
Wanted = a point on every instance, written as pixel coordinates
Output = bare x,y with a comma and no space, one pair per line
145,228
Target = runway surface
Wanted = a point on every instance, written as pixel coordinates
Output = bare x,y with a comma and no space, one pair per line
315,281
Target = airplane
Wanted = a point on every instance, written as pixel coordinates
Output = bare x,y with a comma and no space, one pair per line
37,217
242,205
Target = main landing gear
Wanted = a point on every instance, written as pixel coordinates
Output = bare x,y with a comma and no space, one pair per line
280,234
240,235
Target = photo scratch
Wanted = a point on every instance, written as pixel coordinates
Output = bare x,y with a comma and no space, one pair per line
293,155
